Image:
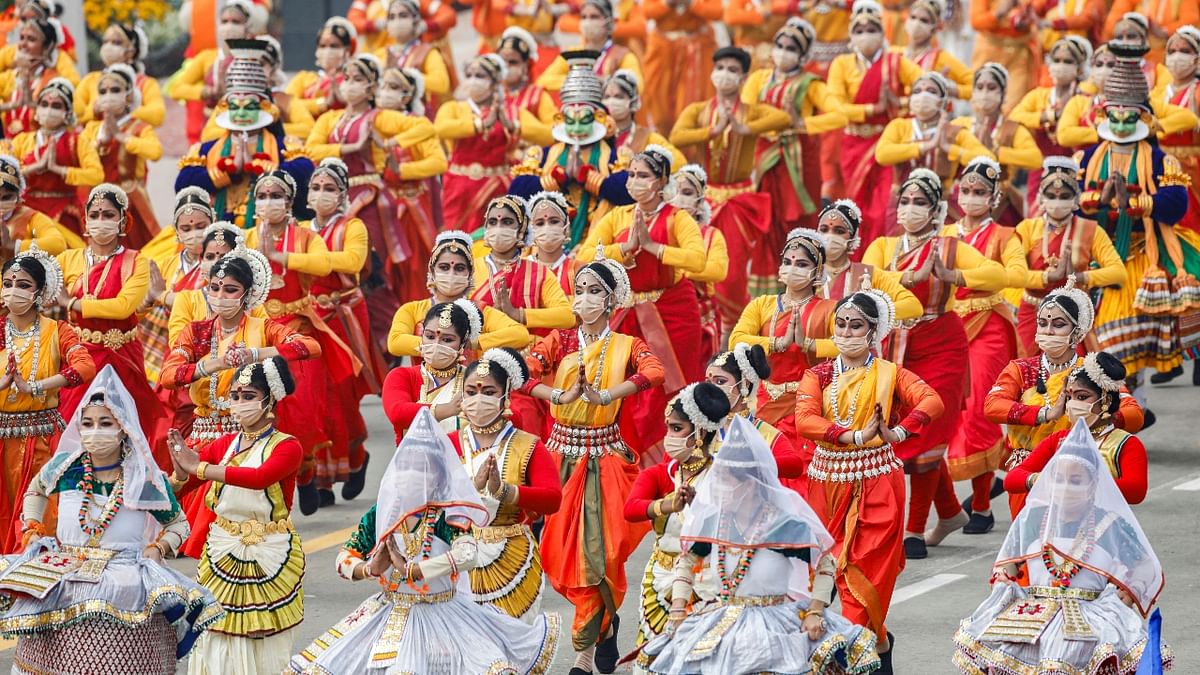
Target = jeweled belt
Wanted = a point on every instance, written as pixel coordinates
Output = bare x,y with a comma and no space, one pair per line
494,533
34,423
1056,592
664,559
864,130
252,532
972,305
212,427
572,441
477,171
853,464
372,179
774,391
407,600
643,296
278,308
110,339
756,600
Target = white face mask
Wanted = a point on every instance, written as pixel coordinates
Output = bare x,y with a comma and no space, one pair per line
112,103
725,81
924,104
835,246
401,29
500,239
449,284
7,206
100,441
795,277
329,58
733,392
1100,74
17,300
103,232
549,237
851,346
1053,345
867,44
482,410
919,32
1181,64
324,203
226,308
247,412
477,88
912,217
678,448
973,205
231,31
50,118
389,99
784,60
593,30
1058,210
986,100
617,107
1077,410
589,308
641,190
1063,73
353,92
192,239
271,210
437,355
112,53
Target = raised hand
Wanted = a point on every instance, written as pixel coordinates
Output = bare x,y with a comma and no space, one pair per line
926,269
158,285
397,558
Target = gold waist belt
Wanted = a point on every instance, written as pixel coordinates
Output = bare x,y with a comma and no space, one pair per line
756,600
111,338
972,305
845,465
411,599
644,296
477,171
494,533
864,130
253,532
366,179
277,308
1055,592
664,559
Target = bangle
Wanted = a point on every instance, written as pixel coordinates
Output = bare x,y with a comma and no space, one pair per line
858,437
1031,480
201,370
200,469
556,396
605,397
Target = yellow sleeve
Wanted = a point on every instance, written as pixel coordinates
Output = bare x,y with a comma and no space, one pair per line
553,76
754,84
1071,131
89,172
1024,152
133,292
1111,270
353,256
1026,232
910,72
402,337
8,80
750,323
1174,119
145,145
429,160
979,273
966,147
437,78
188,307
907,304
687,130
958,73
533,130
839,86
687,254
875,255
67,69
631,62
716,261
188,83
1015,268
604,232
454,121
765,118
300,120
677,157
896,146
831,118
555,311
317,145
314,261
296,88
46,234
499,331
1028,112
406,129
85,94
153,110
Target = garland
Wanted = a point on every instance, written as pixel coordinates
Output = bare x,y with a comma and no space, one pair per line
95,529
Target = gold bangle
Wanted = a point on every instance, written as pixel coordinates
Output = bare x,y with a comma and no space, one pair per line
656,508
200,469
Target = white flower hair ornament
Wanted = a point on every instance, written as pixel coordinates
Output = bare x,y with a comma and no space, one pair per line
1081,299
54,275
750,378
505,361
474,318
687,400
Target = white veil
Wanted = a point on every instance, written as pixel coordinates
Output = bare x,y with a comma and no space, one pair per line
1081,517
146,487
741,503
425,471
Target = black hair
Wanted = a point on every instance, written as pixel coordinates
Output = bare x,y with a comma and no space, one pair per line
758,361
601,270
498,373
228,238
49,34
258,375
1066,303
736,53
29,266
235,267
458,319
1113,369
863,303
712,403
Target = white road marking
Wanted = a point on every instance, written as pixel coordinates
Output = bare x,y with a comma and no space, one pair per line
1190,486
924,586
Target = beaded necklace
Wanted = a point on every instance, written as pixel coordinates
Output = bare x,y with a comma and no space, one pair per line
92,260
472,448
33,341
419,542
729,584
214,346
95,529
1065,571
607,336
834,405
906,244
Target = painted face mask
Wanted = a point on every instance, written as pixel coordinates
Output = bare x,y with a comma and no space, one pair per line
1123,123
244,112
579,121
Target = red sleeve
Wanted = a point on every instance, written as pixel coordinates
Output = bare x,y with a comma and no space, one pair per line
1002,405
283,463
1129,416
542,492
810,417
922,402
1131,464
401,391
650,485
791,463
1018,476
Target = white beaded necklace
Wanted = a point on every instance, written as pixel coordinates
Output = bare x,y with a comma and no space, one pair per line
834,406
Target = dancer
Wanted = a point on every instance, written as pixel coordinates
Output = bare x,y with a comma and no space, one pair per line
594,370
596,26
549,228
839,225
1006,33
451,277
1183,60
95,596
517,482
935,347
1093,394
21,226
686,189
319,90
773,558
919,44
1093,577
662,492
43,356
37,62
855,483
417,539
677,52
520,51
405,26
127,44
623,101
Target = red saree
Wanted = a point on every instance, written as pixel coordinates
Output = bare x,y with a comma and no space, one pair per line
868,183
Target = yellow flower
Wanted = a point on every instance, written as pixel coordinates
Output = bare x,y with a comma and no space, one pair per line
100,14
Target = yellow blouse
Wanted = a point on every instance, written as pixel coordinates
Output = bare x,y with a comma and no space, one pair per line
352,257
64,63
553,310
716,263
759,313
88,174
49,363
907,304
411,132
498,329
132,294
145,146
845,77
683,251
956,71
299,84
692,131
152,110
1022,154
1012,257
49,235
437,76
1110,270
820,110
456,120
188,83
899,144
979,272
190,306
314,261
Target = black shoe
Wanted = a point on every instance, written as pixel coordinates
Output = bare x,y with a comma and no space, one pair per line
1150,418
309,500
1163,378
914,547
997,488
607,654
325,497
354,485
885,659
966,505
979,524
576,670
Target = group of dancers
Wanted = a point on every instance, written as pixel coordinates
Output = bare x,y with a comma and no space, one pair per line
581,339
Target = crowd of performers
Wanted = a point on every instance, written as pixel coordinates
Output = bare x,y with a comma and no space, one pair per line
602,297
